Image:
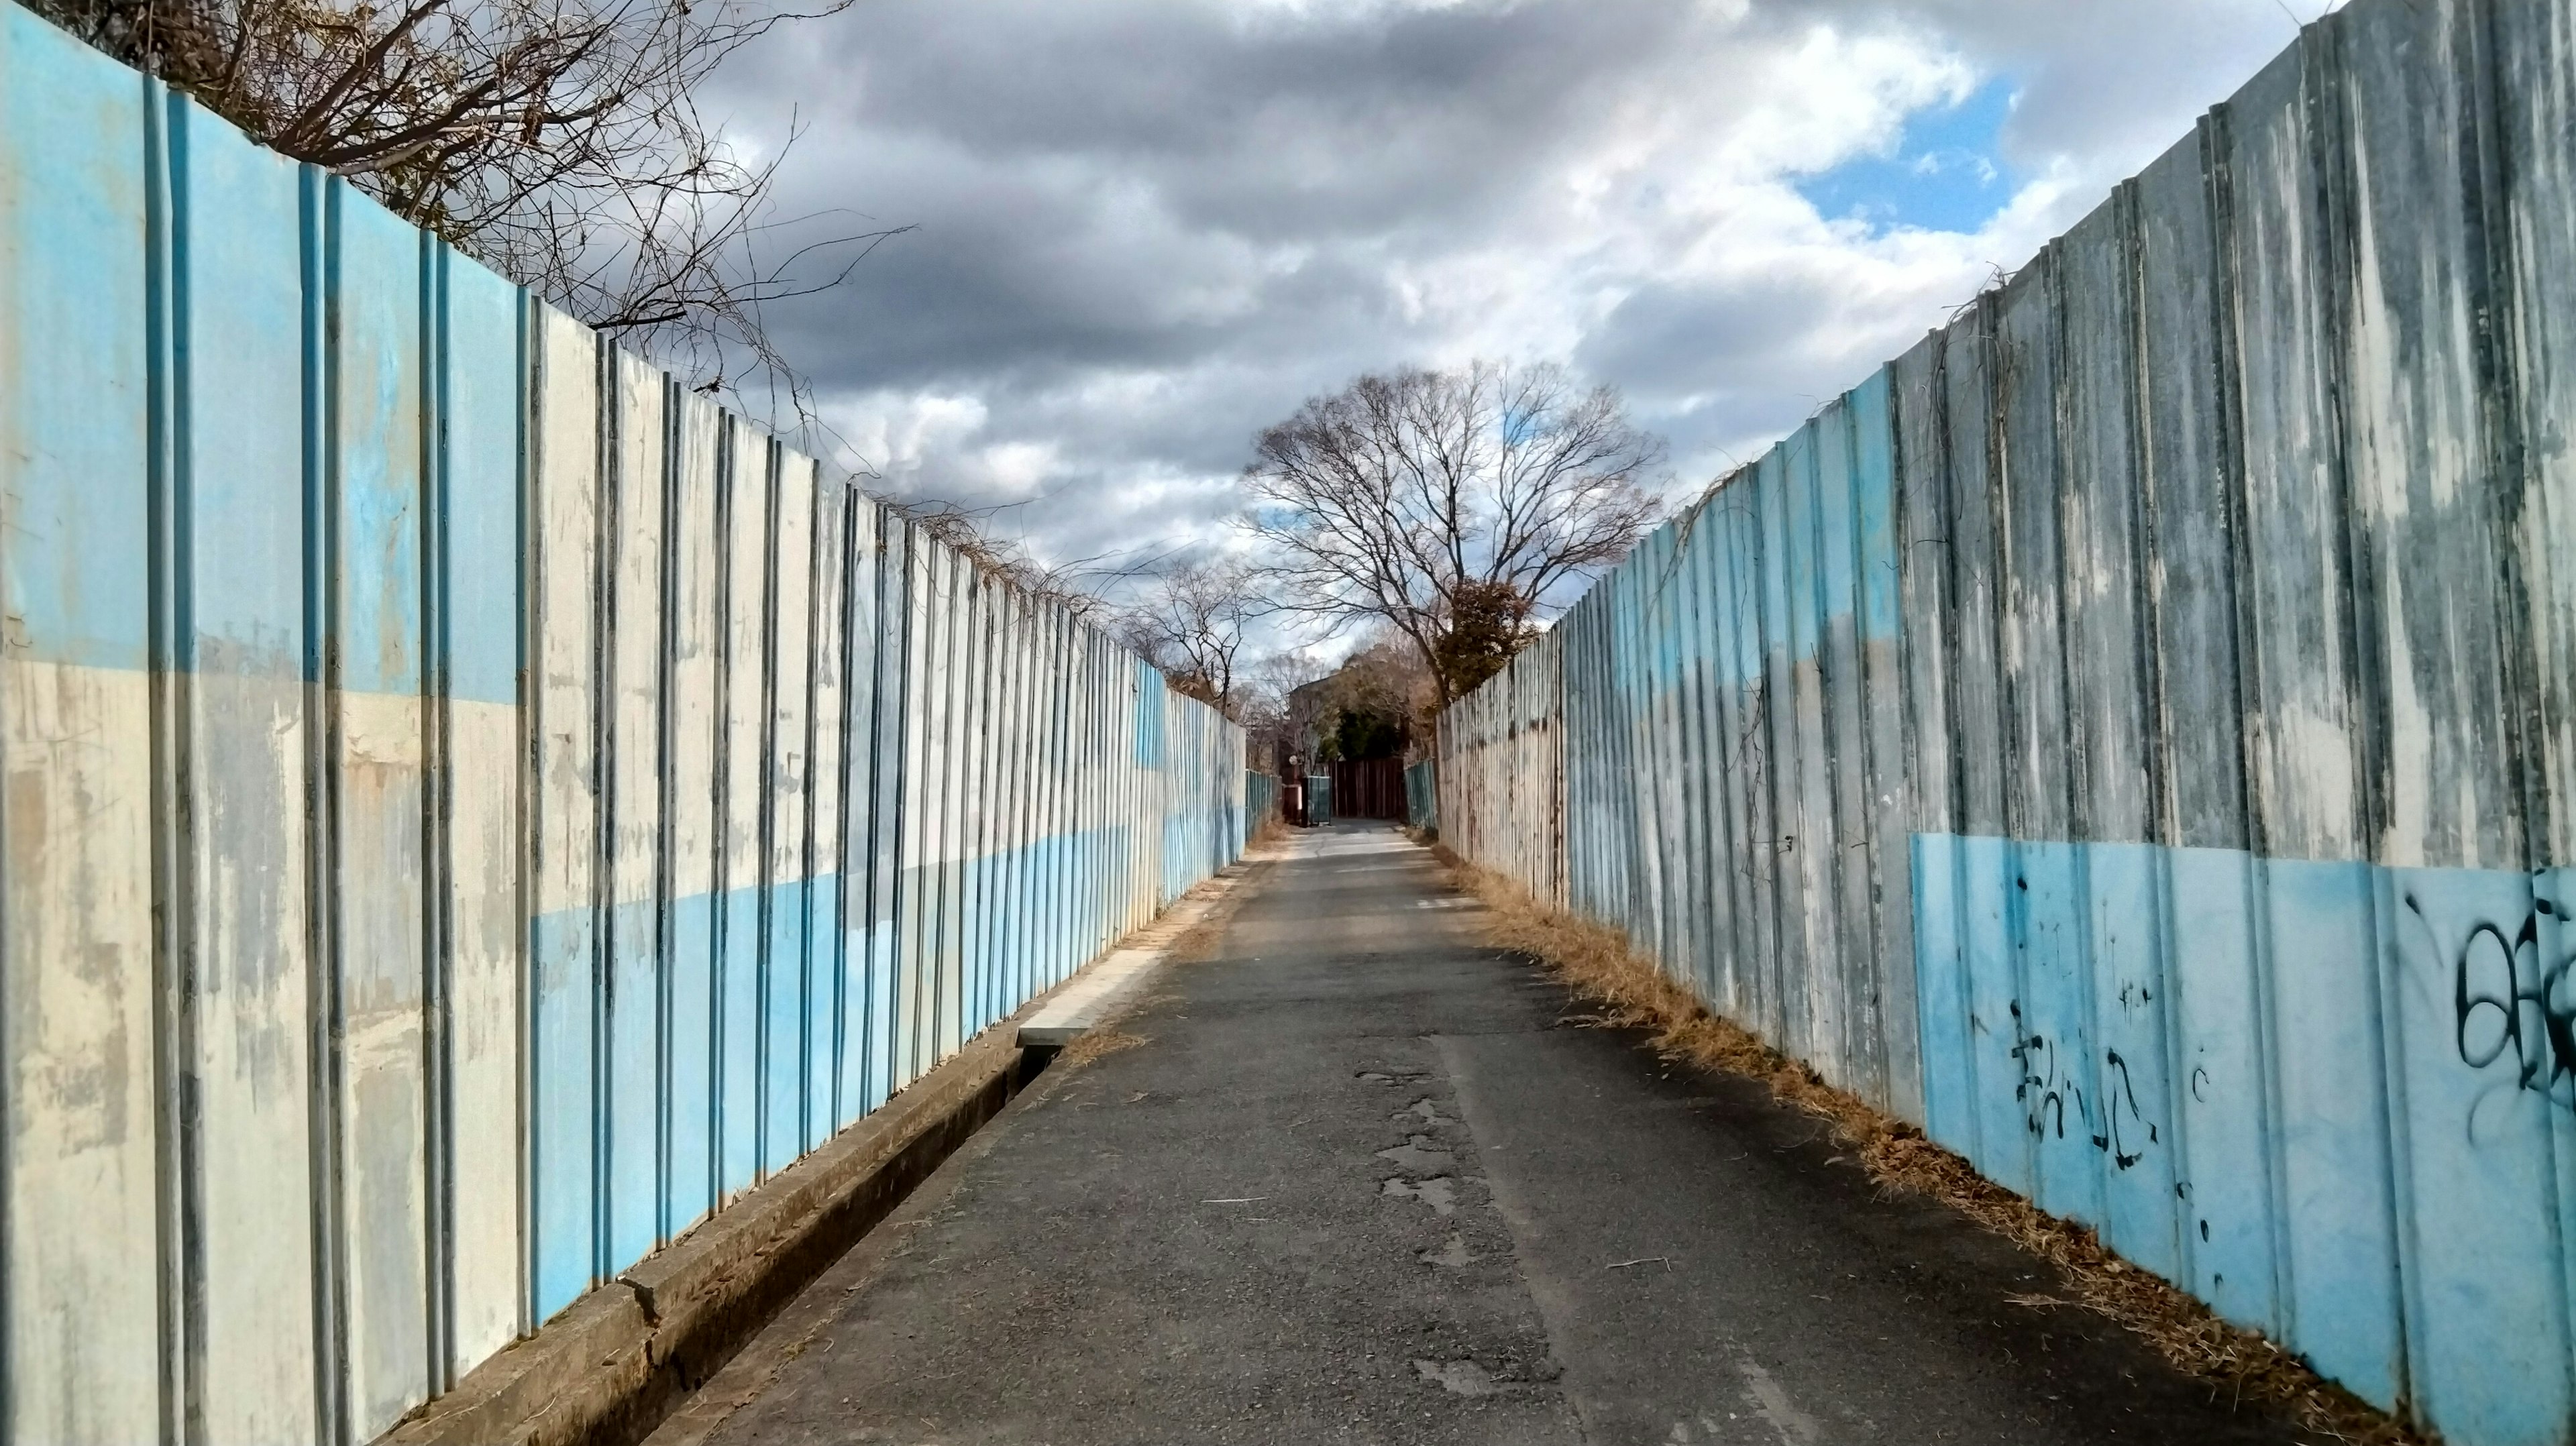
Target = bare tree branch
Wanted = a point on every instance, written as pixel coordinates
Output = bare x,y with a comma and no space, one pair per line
1453,507
1191,624
556,141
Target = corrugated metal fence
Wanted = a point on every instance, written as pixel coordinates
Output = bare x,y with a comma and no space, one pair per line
2133,734
471,806
1422,794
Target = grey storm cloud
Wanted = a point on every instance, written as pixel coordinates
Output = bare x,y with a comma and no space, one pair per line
1143,229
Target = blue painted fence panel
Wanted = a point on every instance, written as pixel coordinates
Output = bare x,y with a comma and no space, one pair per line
237,509
374,674
2130,735
340,572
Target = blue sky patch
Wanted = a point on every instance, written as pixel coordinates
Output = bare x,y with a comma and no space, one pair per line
1947,172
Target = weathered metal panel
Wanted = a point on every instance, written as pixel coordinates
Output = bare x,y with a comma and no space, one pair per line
928,761
1996,1131
2304,734
1046,922
1060,859
1012,784
693,715
988,909
1050,702
2041,899
969,812
742,783
2110,691
961,938
1846,754
563,928
1072,793
1808,844
783,976
1082,854
2532,52
1007,771
483,915
1702,821
983,813
923,570
862,645
632,547
1918,389
245,970
2190,464
78,1216
1045,764
824,781
934,965
1881,859
1735,757
1654,725
1002,801
895,708
2530,58
1787,838
2435,480
373,658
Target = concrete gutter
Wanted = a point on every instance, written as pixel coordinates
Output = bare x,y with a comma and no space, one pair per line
612,1364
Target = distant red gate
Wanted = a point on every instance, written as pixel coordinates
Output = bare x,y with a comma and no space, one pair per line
1368,788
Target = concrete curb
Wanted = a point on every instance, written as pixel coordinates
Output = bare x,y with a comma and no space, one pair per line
607,1369
610,1365
1106,987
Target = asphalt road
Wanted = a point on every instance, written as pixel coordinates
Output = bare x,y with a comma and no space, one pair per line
1364,1180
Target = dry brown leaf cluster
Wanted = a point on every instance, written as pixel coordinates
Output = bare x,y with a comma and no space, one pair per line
1094,1043
1596,961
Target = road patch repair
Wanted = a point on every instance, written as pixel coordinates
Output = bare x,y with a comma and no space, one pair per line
610,1367
1367,1177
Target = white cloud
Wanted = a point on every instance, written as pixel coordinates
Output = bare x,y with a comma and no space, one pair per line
1146,228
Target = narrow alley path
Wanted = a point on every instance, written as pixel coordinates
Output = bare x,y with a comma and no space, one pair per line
1363,1180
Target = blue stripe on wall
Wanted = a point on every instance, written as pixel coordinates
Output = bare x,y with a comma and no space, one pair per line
2264,1159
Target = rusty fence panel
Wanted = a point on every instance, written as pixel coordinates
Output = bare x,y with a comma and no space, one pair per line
2132,734
472,806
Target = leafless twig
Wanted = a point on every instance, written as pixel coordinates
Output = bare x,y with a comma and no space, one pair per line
557,141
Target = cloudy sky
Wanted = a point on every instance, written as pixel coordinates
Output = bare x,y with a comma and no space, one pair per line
1146,228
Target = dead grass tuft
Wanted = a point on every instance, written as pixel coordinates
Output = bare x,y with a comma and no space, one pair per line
1598,964
1096,1043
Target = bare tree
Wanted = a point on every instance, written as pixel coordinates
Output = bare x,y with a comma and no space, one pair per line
1452,505
1266,703
1190,623
557,141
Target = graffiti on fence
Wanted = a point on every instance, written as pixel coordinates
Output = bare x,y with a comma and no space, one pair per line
2109,1116
2512,1005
